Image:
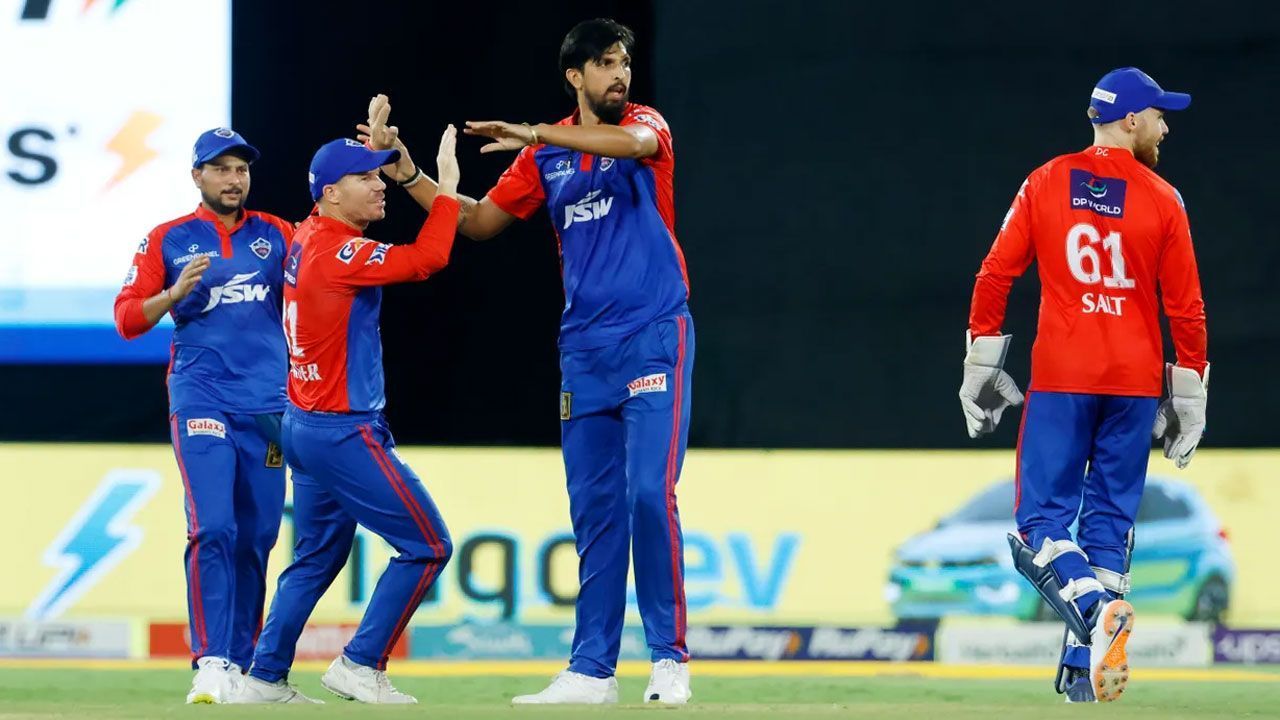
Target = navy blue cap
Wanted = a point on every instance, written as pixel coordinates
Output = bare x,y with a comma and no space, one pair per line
220,141
344,157
1129,90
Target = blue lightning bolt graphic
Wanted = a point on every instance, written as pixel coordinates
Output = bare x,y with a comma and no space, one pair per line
95,540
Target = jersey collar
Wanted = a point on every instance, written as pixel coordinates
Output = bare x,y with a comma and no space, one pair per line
208,215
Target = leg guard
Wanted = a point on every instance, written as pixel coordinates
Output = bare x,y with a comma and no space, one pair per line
1118,583
1034,566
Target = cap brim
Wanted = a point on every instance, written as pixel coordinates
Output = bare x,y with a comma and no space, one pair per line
374,160
1172,101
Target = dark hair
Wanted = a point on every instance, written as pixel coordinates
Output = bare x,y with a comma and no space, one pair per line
588,40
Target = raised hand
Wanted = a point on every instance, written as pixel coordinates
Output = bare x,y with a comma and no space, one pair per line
505,136
375,133
188,278
447,162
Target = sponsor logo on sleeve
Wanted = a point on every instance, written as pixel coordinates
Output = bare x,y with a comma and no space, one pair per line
261,247
347,252
648,384
144,245
379,254
206,426
1101,195
132,276
651,121
291,270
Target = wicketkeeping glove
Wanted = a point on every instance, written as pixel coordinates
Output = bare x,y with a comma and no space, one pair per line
1180,419
987,389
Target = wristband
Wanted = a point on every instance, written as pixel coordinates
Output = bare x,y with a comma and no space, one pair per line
533,131
417,177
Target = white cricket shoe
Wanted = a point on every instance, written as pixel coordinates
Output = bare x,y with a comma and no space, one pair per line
361,683
669,683
1108,661
252,691
214,682
571,688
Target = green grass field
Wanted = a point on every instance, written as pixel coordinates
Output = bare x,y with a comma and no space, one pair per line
158,692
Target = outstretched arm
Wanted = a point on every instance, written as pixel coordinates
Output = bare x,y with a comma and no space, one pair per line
477,219
615,141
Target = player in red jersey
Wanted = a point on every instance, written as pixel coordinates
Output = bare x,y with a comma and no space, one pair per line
1106,231
336,439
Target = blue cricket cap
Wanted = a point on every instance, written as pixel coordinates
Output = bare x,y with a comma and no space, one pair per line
1129,90
220,141
344,157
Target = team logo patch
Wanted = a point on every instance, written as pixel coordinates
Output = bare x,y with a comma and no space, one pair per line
261,247
566,405
144,246
132,276
1101,195
606,163
275,457
648,384
379,254
206,426
347,252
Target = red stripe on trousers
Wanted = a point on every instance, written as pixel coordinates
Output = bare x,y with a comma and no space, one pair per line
1017,471
673,454
197,598
424,584
420,519
401,490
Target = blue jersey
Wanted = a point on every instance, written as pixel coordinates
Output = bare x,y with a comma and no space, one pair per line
615,223
229,350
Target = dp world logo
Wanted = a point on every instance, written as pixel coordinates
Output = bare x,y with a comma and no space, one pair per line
1096,187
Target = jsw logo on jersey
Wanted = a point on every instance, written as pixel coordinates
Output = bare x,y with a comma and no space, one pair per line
587,209
236,291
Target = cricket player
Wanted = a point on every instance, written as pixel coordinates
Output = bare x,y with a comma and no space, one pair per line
1105,231
626,351
336,439
219,272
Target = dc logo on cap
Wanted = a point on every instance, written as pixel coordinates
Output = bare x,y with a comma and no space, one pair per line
224,132
354,143
195,158
311,178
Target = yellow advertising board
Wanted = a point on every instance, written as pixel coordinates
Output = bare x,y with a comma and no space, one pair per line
786,537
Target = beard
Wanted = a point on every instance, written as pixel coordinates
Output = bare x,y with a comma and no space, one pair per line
609,112
223,205
1147,154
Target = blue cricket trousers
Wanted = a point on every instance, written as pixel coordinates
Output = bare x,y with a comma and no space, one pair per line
1083,457
233,480
625,423
346,471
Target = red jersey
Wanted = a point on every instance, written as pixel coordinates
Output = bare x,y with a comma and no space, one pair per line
332,298
1105,230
